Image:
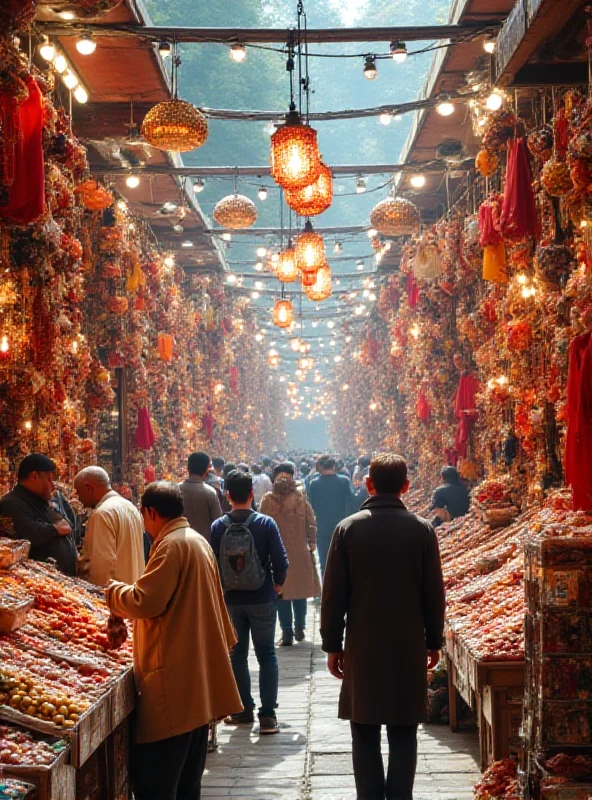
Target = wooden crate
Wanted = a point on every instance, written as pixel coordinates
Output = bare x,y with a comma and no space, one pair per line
500,703
54,782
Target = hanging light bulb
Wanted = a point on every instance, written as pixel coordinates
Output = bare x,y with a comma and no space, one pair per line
360,185
385,119
47,50
489,44
86,46
227,237
81,95
67,15
165,49
132,181
370,69
178,228
262,193
261,252
399,51
283,314
360,266
445,108
70,79
60,64
4,346
198,186
337,248
417,181
238,52
495,100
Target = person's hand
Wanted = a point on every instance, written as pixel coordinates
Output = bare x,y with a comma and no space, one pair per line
63,527
336,665
433,658
279,590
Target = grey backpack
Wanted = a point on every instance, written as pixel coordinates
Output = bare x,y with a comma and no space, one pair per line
240,566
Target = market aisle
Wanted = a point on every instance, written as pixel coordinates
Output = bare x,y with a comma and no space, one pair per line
310,759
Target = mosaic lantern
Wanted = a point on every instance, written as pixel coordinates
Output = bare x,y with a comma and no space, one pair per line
283,314
295,159
285,268
321,288
395,216
175,125
310,250
235,212
314,198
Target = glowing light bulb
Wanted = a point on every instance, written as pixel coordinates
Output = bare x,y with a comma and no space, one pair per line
199,186
261,252
4,346
370,68
70,79
330,324
169,262
81,95
67,15
28,425
522,279
132,181
385,119
231,279
371,233
86,46
360,185
262,193
47,51
445,108
495,101
238,52
256,296
418,181
226,237
60,64
489,45
414,331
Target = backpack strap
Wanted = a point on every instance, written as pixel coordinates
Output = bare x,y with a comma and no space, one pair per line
250,519
227,521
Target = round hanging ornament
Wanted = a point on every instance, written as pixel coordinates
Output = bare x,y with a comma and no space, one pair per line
555,177
486,163
540,142
314,198
235,212
175,125
395,216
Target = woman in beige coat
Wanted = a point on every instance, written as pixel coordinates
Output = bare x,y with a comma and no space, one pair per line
296,520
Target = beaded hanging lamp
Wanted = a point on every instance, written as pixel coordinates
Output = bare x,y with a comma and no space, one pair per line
321,288
314,198
175,124
395,216
285,268
309,251
235,212
283,313
295,159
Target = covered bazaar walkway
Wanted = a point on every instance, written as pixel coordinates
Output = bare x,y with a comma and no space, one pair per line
311,758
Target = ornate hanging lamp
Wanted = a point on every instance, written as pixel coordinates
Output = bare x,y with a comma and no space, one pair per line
321,288
283,313
295,159
314,198
273,358
395,216
175,124
309,251
285,268
235,212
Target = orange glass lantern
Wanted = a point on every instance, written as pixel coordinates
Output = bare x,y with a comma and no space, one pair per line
321,289
273,359
283,314
314,198
285,267
295,159
309,251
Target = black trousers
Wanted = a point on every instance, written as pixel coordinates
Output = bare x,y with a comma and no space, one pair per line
170,769
369,767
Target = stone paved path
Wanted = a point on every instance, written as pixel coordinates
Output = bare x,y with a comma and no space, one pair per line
311,757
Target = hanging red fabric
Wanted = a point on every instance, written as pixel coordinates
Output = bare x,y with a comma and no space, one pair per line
24,158
488,229
144,438
423,407
412,292
518,217
578,446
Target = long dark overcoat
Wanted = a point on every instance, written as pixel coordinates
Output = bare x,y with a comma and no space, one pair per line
384,586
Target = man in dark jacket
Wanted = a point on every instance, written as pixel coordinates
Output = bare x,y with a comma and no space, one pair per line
202,506
331,498
29,514
451,500
383,565
254,613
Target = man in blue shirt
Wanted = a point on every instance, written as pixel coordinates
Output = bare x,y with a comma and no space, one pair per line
254,613
332,500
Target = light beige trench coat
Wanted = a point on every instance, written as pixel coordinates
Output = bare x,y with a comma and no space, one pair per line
182,636
288,506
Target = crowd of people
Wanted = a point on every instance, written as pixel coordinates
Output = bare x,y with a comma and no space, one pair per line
205,566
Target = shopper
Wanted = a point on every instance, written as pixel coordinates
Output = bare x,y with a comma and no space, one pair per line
29,515
332,500
451,500
113,546
261,561
261,483
182,636
201,502
288,506
384,588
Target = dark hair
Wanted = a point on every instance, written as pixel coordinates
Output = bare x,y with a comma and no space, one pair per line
363,462
218,463
165,498
266,461
285,466
35,462
388,473
256,469
326,462
304,470
340,465
239,486
450,475
198,463
243,467
228,468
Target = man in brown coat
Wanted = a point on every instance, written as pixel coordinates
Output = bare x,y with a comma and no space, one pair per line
182,639
384,588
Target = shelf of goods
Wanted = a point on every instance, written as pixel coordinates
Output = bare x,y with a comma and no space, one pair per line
484,575
59,680
558,628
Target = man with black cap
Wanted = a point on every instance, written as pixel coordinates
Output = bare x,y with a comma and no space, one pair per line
28,515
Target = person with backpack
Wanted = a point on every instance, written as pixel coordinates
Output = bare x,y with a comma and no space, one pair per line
253,568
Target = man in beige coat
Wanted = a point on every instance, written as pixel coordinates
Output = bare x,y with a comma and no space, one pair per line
182,639
113,547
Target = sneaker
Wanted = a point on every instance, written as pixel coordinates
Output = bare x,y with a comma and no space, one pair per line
243,718
268,725
287,639
299,635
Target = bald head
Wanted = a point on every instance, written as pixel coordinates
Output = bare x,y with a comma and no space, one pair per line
92,484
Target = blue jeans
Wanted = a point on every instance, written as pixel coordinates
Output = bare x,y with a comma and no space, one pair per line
289,621
259,621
